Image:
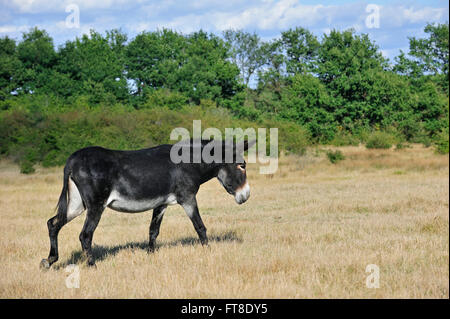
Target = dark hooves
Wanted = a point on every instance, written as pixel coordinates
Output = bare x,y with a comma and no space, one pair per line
45,265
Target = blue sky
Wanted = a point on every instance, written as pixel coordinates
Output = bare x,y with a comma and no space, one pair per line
398,20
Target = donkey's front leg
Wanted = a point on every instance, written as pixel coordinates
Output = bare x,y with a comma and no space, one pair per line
158,214
191,209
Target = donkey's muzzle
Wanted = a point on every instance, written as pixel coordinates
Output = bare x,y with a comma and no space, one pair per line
242,194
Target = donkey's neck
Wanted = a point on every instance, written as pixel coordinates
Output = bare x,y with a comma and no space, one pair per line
207,171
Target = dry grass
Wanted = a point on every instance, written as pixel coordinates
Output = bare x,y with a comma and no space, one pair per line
307,232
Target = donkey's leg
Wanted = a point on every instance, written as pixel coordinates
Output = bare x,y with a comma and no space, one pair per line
191,209
54,225
75,207
90,224
158,214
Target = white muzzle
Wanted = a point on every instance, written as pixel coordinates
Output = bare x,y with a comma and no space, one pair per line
242,194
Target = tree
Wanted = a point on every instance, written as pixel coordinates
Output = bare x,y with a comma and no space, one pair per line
246,51
273,73
306,101
9,66
432,52
271,78
153,59
195,65
207,73
347,66
95,62
301,48
426,69
427,56
37,56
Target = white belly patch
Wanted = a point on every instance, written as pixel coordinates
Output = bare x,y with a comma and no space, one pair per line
121,203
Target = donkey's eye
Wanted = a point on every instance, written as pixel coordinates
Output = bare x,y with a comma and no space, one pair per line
242,166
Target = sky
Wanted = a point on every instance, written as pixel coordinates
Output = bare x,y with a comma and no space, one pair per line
388,23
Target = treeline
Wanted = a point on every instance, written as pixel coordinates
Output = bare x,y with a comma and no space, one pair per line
334,89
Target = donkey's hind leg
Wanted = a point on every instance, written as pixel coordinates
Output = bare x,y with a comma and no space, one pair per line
54,225
75,207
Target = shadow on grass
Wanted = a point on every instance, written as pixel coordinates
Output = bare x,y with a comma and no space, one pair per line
102,252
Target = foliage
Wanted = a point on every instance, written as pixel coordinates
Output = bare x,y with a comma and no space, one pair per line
246,51
106,89
380,140
343,138
194,65
29,135
335,156
442,142
301,50
306,101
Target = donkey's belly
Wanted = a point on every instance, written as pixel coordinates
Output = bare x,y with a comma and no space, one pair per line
125,204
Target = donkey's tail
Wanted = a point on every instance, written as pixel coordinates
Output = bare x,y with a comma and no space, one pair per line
61,207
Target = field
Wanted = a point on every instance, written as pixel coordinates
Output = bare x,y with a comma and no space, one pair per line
308,231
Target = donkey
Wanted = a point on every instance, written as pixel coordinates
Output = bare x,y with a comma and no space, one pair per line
137,181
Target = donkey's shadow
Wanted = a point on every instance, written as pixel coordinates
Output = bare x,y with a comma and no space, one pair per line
103,252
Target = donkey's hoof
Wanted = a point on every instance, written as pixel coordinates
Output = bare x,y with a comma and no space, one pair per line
44,265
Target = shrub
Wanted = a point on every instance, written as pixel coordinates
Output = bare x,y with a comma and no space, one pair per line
401,145
50,137
442,142
380,140
344,139
163,97
26,167
335,156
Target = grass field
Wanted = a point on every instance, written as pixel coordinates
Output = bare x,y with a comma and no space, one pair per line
309,231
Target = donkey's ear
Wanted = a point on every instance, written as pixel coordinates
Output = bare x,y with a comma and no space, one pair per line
248,144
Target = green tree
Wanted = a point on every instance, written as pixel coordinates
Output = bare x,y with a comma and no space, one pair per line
154,58
9,67
207,71
349,65
301,50
307,102
246,52
273,74
427,57
426,69
37,56
432,52
95,62
196,65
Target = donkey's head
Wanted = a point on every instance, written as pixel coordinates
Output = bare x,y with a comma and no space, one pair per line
232,172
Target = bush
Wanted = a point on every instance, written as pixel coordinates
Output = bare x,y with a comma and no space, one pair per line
442,142
335,156
380,140
401,146
26,167
344,139
163,97
292,137
49,138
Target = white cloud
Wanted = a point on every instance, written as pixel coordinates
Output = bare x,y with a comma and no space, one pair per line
266,17
399,16
46,6
13,28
